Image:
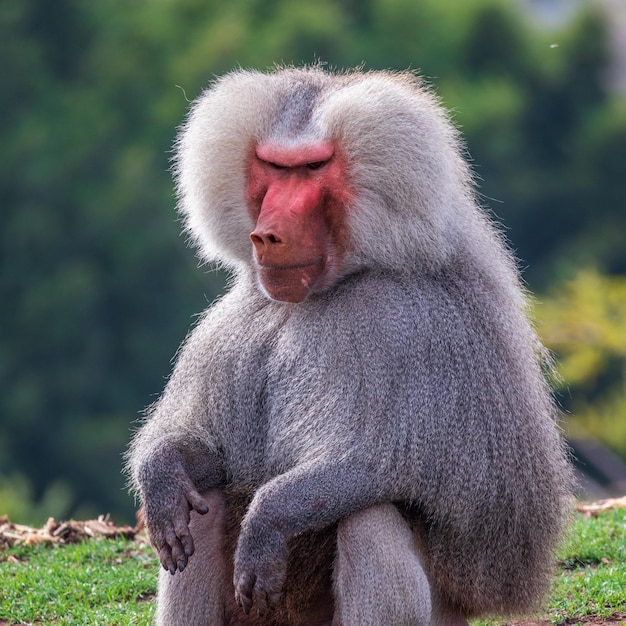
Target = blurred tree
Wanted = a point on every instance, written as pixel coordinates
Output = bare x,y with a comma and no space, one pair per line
598,207
584,322
496,43
294,32
563,99
95,285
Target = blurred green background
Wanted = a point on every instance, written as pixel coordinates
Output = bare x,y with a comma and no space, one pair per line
97,286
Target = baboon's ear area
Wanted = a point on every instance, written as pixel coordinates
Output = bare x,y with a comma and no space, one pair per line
211,151
406,165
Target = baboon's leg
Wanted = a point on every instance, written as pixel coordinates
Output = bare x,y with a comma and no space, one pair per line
196,596
378,575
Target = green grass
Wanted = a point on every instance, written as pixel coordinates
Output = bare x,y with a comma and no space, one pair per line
100,581
112,582
591,580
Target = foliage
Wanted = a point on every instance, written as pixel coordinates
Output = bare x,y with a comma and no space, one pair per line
18,502
113,581
96,286
584,322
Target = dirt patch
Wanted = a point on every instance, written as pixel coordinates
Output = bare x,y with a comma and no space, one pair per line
53,532
72,531
592,509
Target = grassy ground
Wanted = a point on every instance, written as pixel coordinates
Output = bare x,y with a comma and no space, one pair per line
112,581
590,587
96,582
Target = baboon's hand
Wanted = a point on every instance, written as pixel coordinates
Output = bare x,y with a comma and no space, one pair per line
168,504
260,569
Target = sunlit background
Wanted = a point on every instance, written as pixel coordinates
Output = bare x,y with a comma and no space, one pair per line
97,286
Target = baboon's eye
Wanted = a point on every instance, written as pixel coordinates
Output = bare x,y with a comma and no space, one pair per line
315,165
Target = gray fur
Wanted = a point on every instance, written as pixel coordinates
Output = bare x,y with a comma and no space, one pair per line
188,598
415,378
376,552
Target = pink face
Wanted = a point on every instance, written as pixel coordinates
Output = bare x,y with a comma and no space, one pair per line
297,198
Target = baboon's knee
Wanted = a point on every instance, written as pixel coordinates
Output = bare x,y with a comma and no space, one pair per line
379,577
